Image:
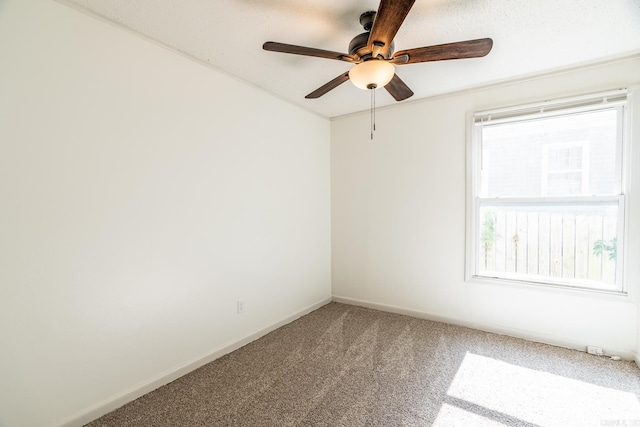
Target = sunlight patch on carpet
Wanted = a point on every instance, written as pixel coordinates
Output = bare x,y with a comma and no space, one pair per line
450,415
534,397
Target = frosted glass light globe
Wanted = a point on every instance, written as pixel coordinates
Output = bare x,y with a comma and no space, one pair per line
372,74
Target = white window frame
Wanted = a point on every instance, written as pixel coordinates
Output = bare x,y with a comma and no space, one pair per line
617,99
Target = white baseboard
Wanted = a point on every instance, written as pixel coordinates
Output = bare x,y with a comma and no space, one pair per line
487,327
96,411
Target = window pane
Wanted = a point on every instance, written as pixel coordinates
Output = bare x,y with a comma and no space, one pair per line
564,183
572,244
571,155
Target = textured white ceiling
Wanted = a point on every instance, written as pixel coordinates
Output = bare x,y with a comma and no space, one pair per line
529,37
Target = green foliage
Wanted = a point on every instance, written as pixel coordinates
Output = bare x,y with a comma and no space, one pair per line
609,246
488,232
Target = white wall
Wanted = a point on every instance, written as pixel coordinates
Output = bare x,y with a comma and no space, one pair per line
398,219
141,195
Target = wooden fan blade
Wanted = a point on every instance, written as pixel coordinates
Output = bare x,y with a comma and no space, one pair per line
390,15
398,89
307,51
459,50
327,87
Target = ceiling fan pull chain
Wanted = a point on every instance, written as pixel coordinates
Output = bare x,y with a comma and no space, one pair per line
372,112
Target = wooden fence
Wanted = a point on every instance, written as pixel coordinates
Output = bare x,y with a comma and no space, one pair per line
554,245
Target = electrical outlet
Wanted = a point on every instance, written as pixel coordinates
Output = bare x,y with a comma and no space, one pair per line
240,306
597,351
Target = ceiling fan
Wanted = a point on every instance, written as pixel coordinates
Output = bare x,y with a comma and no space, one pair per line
373,56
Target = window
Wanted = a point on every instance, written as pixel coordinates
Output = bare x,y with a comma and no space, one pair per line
565,168
546,195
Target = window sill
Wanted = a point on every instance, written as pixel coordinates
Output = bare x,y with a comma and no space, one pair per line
612,295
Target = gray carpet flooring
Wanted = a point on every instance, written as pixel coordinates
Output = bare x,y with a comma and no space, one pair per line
343,365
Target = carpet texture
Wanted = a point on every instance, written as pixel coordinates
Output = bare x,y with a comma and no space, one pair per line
343,365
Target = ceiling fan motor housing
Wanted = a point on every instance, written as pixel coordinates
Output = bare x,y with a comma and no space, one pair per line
358,45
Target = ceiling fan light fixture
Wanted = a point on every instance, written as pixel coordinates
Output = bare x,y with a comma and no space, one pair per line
372,74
